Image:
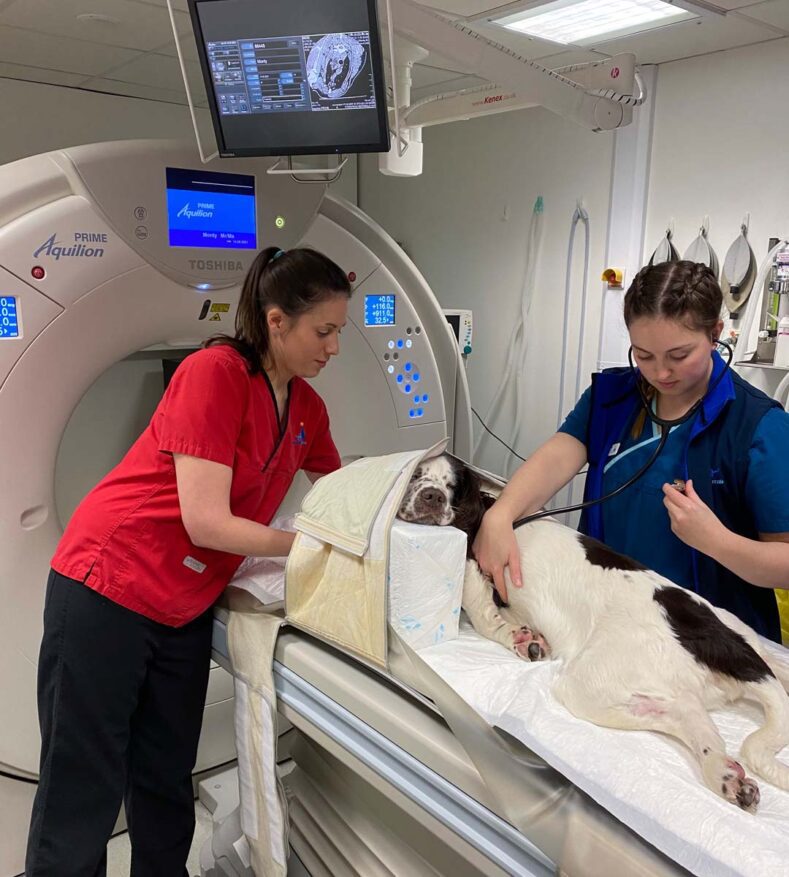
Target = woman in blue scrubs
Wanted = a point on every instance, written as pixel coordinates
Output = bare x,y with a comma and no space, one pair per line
725,532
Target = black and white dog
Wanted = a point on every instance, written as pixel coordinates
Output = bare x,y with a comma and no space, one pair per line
638,652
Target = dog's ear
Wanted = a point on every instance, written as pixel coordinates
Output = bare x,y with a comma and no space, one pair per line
468,503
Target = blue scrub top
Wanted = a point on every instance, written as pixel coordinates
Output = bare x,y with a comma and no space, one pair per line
636,522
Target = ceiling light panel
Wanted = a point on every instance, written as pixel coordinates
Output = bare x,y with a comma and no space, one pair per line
582,22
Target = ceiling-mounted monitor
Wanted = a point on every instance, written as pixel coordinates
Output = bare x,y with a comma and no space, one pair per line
293,77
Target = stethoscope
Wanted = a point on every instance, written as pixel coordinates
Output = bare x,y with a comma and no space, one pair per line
665,426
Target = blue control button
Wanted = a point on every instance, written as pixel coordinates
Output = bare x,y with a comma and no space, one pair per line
407,388
417,398
419,412
412,413
399,379
416,376
399,342
425,398
408,366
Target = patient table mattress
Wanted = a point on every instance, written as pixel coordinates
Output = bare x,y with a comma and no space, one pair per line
646,780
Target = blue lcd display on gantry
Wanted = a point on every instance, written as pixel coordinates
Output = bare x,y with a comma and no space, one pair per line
379,310
9,317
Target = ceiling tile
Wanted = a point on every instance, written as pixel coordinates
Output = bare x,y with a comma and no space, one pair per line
19,46
130,89
774,13
40,74
687,39
188,48
156,71
461,8
131,25
181,5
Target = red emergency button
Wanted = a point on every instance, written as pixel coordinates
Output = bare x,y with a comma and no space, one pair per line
38,272
351,276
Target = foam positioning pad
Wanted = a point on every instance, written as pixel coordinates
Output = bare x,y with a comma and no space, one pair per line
426,568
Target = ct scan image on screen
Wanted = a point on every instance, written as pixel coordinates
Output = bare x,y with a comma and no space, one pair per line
339,73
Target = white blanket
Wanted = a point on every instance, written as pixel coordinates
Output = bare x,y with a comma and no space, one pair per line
645,779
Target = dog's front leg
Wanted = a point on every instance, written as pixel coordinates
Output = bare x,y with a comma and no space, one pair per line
488,621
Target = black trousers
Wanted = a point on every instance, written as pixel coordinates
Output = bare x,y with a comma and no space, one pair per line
120,702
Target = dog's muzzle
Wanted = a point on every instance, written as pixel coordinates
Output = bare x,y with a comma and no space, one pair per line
431,505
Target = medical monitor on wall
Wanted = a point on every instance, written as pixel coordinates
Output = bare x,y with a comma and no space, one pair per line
292,77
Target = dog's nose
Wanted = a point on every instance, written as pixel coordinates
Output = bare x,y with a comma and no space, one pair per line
432,498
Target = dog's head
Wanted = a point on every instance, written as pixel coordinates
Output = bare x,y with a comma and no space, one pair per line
444,491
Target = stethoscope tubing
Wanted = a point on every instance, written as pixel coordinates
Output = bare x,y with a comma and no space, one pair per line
665,426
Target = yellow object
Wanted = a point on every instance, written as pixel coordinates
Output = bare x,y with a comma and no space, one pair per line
782,597
614,277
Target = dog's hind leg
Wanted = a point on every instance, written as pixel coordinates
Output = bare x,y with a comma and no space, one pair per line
488,621
760,748
684,718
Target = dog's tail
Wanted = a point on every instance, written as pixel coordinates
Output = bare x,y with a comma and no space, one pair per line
760,748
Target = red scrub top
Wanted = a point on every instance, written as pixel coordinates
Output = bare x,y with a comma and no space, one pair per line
126,539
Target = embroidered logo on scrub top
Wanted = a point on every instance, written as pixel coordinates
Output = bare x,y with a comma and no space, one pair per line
614,450
301,436
715,477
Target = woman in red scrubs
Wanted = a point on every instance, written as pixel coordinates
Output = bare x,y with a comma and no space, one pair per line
124,660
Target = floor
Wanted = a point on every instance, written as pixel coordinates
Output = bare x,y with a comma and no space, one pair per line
118,851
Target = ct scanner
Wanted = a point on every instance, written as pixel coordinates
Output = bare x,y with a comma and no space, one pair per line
93,297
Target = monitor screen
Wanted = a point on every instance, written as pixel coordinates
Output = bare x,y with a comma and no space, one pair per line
9,317
293,77
454,322
207,209
379,310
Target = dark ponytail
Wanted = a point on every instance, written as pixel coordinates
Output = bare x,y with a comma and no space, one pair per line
687,292
294,281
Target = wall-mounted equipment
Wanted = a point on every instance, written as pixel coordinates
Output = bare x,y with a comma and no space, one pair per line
739,272
665,250
614,277
700,250
775,304
462,323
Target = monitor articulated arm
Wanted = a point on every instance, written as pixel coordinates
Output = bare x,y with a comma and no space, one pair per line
599,97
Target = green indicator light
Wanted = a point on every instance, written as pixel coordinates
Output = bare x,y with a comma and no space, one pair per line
280,222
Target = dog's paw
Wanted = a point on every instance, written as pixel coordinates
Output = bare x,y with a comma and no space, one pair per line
738,788
528,644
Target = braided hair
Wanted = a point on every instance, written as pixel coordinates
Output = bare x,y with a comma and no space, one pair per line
293,280
683,291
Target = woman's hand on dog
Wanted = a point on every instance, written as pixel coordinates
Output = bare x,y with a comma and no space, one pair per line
496,549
